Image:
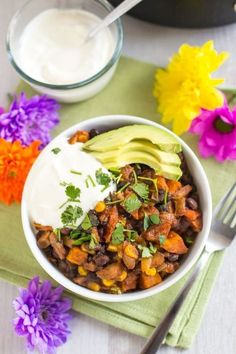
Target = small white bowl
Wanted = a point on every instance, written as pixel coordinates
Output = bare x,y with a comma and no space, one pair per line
75,92
107,123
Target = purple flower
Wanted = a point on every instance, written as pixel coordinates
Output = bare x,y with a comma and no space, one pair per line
217,130
29,120
42,316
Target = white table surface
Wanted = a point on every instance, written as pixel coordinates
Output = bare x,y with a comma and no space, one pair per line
217,334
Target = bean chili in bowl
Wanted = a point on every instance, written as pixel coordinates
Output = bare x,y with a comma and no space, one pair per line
134,238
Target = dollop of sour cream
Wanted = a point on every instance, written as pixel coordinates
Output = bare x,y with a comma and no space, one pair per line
62,165
53,47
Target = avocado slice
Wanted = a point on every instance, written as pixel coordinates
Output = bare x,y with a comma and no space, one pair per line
116,138
139,146
165,170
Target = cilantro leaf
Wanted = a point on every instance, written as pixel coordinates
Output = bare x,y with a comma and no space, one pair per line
132,203
146,222
155,219
56,150
150,220
118,234
162,239
102,178
71,214
72,192
86,223
131,235
147,252
141,189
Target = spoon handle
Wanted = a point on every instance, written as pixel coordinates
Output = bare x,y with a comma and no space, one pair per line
120,10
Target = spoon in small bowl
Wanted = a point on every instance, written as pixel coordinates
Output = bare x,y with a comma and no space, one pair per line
120,10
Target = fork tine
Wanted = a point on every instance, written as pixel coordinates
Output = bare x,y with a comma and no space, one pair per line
230,221
228,209
221,203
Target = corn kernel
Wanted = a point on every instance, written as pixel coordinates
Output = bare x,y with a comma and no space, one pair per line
83,272
108,282
93,286
131,251
122,276
151,271
112,248
100,207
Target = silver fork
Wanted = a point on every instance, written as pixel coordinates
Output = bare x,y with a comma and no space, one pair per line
223,231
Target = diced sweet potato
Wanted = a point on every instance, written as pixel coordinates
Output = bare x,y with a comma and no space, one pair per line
182,192
157,260
146,263
127,172
110,272
80,136
190,215
77,256
161,183
197,224
128,261
42,227
113,218
174,244
167,217
173,186
130,283
180,206
147,281
155,231
43,239
131,251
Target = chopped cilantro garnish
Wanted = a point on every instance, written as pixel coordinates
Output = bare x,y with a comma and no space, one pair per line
86,223
132,203
131,235
118,234
155,219
123,187
141,189
72,192
147,251
56,150
162,239
71,214
150,220
93,242
153,180
76,172
92,181
81,240
103,179
57,231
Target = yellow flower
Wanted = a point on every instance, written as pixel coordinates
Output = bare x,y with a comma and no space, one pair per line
186,85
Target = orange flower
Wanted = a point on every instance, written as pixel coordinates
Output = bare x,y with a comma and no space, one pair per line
15,163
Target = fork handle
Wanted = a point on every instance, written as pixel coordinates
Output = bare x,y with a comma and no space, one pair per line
156,339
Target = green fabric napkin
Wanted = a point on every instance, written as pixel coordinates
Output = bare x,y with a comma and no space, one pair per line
130,92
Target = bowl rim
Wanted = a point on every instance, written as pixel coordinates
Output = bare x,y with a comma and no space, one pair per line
115,56
138,295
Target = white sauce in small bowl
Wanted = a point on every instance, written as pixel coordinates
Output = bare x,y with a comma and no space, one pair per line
52,48
47,193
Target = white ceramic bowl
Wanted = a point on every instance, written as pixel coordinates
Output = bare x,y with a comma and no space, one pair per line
200,180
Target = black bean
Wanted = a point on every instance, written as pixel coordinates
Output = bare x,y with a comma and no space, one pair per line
65,231
100,231
93,218
173,257
191,203
161,195
93,133
121,184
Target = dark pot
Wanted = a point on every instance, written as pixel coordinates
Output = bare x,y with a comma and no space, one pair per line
185,13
